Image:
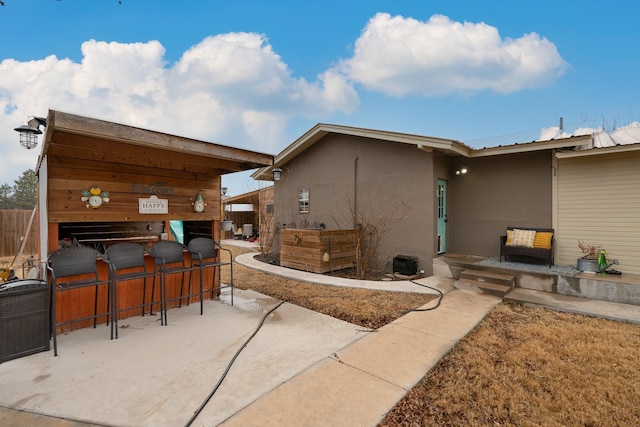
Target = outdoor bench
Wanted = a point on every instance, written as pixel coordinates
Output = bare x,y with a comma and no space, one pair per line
528,242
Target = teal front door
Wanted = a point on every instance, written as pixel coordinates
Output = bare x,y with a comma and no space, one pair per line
442,215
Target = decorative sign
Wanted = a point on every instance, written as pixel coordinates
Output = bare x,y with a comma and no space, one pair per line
159,187
153,205
94,197
199,203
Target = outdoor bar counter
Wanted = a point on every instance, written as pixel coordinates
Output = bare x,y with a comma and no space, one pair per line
101,183
78,303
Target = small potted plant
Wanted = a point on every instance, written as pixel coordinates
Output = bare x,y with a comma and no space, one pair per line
589,261
226,224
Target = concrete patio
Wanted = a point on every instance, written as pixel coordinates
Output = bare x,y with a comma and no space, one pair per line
156,375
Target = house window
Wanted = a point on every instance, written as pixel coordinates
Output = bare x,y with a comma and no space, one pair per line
270,208
303,200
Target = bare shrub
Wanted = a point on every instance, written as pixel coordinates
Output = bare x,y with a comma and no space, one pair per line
373,218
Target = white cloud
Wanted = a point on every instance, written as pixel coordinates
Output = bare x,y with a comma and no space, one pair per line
401,56
262,127
232,89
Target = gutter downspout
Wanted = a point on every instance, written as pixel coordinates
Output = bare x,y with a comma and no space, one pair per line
355,192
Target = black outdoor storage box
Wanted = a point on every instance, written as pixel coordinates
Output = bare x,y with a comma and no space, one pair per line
24,318
406,265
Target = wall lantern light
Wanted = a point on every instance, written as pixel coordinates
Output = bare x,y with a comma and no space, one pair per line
277,173
462,171
224,190
29,132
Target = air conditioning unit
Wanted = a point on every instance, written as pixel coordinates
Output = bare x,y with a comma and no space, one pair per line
405,265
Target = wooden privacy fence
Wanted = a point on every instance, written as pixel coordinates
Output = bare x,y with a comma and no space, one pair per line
14,226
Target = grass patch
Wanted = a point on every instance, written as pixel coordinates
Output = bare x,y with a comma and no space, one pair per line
530,367
365,307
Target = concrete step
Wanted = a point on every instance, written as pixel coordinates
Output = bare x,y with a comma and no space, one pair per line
488,276
451,265
482,287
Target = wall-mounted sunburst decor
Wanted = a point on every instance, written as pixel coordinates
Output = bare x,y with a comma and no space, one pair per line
94,197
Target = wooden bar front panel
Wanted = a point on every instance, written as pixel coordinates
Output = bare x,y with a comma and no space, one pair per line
78,303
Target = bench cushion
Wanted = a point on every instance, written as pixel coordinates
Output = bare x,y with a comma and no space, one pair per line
542,240
541,248
523,238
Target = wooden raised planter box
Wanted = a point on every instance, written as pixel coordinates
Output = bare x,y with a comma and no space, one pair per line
305,249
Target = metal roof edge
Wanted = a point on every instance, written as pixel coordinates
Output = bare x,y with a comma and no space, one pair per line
623,148
550,144
425,143
320,130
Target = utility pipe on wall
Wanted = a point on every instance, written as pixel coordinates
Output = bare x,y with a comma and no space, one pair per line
355,192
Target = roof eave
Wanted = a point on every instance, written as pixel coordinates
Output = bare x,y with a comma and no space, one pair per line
625,148
60,122
552,144
320,130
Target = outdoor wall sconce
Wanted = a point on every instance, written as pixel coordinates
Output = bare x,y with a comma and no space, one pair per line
277,173
29,132
224,190
462,171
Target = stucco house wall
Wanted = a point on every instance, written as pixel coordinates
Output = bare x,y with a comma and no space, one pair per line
388,172
385,183
497,192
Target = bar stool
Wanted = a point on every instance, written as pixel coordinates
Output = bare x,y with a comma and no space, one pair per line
75,261
126,263
204,255
169,259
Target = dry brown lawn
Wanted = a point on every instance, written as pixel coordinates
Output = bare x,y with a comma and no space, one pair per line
521,366
527,366
368,308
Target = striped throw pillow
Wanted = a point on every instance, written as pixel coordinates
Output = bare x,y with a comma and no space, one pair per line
542,240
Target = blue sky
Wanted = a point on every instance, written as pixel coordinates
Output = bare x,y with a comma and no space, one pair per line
258,74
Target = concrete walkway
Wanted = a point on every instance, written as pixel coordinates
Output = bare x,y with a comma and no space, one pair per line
418,286
359,384
303,368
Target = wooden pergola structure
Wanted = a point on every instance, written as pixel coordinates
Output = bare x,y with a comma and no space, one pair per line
101,182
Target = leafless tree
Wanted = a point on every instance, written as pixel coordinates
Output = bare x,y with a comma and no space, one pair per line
374,218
